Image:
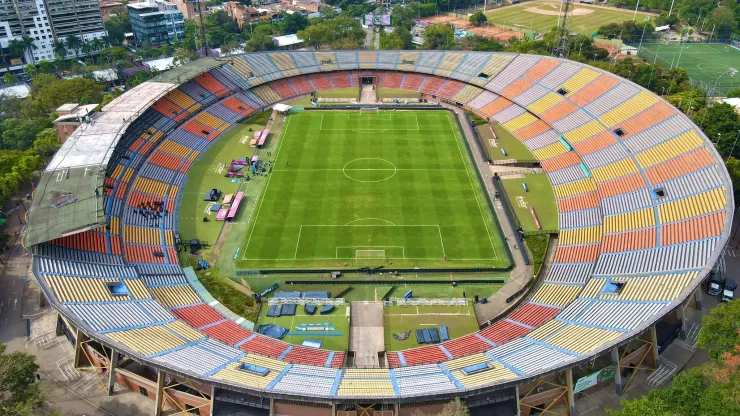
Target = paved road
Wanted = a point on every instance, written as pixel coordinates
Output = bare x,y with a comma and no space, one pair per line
12,326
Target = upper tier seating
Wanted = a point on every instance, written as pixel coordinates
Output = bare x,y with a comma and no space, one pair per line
606,144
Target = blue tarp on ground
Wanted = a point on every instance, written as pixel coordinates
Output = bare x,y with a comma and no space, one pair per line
433,335
287,309
287,295
273,311
420,336
273,331
326,309
309,309
316,294
444,333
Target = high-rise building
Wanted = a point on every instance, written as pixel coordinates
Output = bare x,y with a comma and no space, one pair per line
156,22
44,22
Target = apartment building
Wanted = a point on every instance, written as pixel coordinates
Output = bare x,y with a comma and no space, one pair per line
45,22
156,22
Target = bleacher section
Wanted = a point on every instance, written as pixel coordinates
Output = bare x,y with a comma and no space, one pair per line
643,208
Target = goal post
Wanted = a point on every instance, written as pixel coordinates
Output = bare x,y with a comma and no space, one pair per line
369,109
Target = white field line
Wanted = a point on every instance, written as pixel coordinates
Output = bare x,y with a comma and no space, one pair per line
472,186
264,193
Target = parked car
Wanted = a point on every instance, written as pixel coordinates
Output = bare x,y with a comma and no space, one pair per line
715,284
728,293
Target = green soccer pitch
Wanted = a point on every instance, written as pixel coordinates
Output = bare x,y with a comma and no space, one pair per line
369,189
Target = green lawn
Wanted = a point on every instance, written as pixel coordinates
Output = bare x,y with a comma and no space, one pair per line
520,18
397,93
515,149
352,92
359,189
208,173
460,321
704,62
540,196
338,318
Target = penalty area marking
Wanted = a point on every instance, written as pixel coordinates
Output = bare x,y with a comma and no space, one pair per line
300,232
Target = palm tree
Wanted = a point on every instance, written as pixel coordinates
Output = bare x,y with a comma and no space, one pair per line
60,49
97,44
28,45
86,47
16,47
73,43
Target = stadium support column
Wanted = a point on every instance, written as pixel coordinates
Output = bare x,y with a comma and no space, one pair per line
213,400
78,347
617,371
112,370
571,396
697,297
654,341
159,400
516,395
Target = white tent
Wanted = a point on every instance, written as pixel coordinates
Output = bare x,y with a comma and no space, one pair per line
282,108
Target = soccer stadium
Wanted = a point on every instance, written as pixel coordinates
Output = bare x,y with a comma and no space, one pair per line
347,217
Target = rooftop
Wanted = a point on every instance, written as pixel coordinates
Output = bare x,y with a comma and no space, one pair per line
68,198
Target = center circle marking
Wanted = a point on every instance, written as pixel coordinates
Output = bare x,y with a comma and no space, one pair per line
382,165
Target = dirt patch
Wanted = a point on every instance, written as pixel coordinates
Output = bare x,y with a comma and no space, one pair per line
578,11
216,250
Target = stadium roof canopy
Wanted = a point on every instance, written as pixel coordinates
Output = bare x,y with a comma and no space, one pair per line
69,197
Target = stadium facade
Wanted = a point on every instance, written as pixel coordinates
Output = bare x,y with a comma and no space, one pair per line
645,206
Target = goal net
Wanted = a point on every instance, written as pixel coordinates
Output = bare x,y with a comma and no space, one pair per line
369,109
369,254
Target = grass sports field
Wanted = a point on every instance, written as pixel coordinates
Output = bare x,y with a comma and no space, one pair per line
460,321
540,197
339,318
541,16
704,62
367,189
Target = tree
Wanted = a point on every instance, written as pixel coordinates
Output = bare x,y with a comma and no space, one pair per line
292,23
116,27
19,134
86,47
480,43
28,45
9,78
45,67
19,394
721,124
478,18
261,39
30,70
400,38
722,20
439,37
60,91
719,332
47,140
60,49
610,31
340,32
735,93
73,43
733,168
16,47
403,16
114,55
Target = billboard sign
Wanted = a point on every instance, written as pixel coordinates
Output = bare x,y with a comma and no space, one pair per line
606,373
377,20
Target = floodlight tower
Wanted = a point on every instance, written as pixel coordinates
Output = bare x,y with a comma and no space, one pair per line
201,29
561,48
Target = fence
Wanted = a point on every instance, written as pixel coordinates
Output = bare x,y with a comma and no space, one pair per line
426,302
306,301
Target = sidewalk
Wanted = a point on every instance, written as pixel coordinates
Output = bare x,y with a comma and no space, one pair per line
521,274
